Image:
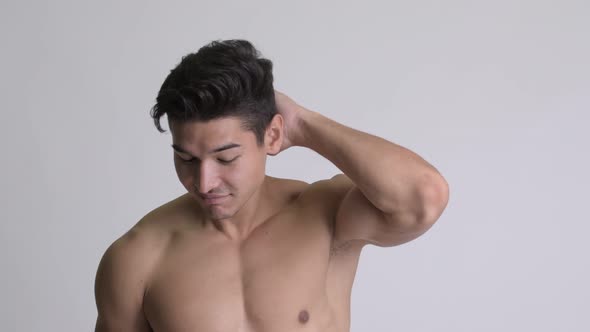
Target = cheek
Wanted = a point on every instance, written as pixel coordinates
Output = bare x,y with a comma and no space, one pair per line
240,175
184,174
254,171
233,177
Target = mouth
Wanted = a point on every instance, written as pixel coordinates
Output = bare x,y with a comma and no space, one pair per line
214,199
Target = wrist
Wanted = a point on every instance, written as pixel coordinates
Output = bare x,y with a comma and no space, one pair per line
305,118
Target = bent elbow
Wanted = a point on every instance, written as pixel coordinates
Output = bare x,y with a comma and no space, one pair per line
435,197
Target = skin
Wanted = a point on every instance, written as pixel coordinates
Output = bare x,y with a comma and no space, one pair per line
274,254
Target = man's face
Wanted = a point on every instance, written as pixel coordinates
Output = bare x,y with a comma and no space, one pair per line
218,158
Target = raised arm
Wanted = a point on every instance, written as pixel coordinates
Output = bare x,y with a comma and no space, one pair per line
390,195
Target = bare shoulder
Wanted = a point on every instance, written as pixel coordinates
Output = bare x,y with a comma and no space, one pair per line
122,277
322,195
137,249
141,242
127,260
135,253
323,199
326,194
290,189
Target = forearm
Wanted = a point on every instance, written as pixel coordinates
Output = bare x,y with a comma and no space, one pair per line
390,176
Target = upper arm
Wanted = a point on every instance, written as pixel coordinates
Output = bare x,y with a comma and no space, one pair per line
357,219
119,287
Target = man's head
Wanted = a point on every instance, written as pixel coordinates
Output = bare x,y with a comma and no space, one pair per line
224,78
222,115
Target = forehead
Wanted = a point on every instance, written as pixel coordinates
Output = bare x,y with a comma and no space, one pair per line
208,134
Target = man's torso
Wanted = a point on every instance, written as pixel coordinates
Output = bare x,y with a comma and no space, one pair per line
286,276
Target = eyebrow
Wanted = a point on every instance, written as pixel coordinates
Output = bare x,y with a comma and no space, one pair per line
218,149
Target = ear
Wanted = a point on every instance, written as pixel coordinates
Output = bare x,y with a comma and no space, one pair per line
273,137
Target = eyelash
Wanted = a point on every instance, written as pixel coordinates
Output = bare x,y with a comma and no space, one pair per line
225,162
186,161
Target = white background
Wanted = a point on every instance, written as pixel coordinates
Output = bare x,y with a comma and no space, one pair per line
495,94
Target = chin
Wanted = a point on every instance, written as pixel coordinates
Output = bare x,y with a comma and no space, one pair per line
219,212
219,215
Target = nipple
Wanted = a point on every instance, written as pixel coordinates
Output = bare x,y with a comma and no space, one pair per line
303,316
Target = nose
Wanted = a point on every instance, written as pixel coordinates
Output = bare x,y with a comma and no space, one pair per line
206,177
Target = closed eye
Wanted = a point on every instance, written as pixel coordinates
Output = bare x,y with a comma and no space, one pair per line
225,162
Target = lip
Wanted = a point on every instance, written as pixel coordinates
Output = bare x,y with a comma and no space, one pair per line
213,199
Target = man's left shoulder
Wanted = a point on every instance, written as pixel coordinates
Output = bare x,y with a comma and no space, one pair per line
326,194
282,191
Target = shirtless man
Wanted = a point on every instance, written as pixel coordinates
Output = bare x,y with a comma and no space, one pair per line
245,252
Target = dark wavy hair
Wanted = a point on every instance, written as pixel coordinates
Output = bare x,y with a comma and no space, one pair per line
223,78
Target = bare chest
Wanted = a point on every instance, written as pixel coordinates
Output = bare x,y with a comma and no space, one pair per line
276,281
